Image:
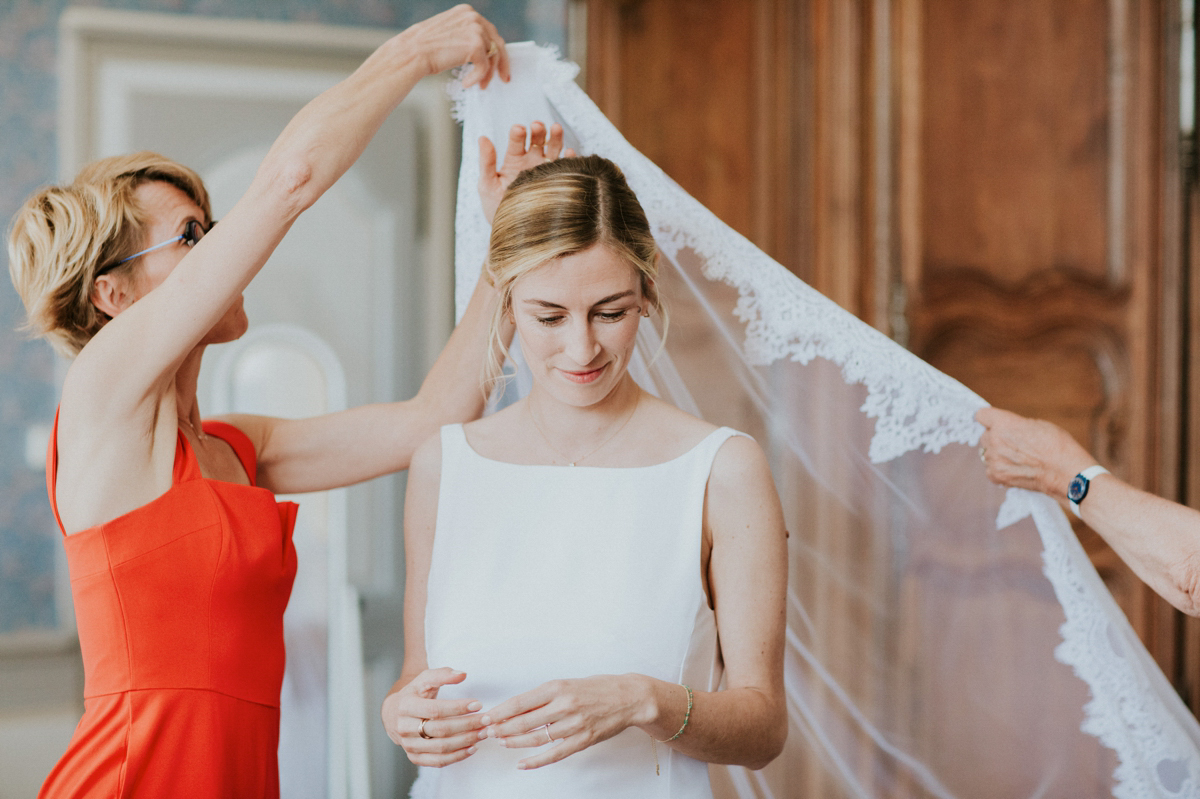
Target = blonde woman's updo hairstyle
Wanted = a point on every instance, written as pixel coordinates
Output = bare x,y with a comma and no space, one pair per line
64,236
560,208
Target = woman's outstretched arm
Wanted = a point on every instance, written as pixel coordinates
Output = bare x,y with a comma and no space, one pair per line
743,724
312,152
1159,539
117,421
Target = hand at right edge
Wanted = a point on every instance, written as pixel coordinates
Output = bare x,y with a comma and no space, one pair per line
452,725
1029,453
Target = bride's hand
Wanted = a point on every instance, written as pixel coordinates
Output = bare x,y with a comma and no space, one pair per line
574,714
452,725
543,146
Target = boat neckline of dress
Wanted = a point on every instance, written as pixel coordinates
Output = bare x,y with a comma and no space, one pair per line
463,433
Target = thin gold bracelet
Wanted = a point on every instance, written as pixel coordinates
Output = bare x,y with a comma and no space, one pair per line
686,717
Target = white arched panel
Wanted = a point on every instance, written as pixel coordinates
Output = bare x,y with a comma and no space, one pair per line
287,371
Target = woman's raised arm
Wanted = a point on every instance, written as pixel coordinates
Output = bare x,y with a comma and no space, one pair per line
315,149
1159,539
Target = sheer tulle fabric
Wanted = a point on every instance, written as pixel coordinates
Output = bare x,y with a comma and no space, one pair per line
945,639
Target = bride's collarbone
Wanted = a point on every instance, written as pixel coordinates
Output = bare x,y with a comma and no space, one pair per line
649,439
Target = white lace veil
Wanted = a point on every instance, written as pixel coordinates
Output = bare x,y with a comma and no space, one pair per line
944,639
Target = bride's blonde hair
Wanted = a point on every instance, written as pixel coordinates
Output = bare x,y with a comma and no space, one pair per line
63,236
560,208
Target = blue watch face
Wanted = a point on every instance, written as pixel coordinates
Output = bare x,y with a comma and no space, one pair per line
1078,488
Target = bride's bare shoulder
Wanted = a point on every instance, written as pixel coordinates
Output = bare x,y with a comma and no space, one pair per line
670,430
496,433
502,419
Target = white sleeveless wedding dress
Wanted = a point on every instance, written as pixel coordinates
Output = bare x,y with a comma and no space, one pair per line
549,572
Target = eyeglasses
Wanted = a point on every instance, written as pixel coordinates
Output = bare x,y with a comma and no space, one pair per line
193,231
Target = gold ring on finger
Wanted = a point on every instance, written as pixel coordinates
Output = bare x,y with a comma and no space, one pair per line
421,730
492,49
549,737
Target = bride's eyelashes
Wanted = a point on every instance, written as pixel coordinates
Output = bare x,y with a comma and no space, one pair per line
603,316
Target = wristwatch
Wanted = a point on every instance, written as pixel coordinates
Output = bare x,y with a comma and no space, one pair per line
1079,485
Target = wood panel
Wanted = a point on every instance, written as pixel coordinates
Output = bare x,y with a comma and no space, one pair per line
1036,270
1016,138
698,122
1188,676
760,110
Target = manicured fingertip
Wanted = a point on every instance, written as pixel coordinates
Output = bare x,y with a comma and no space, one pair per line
475,706
471,750
485,720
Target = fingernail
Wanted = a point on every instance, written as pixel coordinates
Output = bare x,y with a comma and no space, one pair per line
522,766
482,734
475,706
504,743
485,719
470,750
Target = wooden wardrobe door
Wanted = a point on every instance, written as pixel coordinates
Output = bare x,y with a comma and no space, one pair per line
1040,264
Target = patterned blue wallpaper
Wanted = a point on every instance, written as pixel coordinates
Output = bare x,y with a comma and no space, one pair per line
28,40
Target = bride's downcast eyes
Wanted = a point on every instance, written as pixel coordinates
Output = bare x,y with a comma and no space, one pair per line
603,316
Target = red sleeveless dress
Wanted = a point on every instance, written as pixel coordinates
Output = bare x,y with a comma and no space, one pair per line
179,605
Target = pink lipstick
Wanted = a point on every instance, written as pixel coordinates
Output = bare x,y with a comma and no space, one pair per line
583,377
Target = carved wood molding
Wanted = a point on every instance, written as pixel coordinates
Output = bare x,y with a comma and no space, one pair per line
1046,300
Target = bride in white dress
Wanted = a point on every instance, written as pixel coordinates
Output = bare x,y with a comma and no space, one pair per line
574,559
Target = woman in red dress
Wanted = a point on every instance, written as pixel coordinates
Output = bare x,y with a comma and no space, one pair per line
181,560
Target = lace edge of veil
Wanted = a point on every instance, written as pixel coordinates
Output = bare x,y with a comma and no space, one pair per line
915,407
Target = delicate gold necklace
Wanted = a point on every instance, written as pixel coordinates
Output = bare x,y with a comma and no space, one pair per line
569,461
